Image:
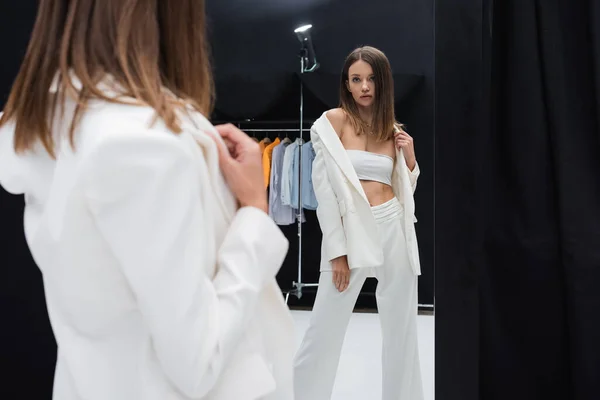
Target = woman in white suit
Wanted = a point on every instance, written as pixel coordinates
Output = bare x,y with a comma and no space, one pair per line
364,174
148,224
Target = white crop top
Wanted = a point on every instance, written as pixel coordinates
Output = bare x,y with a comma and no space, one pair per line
372,166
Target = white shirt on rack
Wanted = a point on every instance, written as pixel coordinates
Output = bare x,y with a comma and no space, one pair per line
288,173
281,214
287,176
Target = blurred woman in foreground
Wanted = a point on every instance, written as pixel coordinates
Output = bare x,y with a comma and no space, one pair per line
148,224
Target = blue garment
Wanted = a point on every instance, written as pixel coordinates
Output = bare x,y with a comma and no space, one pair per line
280,213
294,174
308,198
288,176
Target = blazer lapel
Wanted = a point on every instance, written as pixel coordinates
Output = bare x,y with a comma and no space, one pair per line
333,144
402,185
200,129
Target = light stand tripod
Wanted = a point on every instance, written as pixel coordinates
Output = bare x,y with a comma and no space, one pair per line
307,57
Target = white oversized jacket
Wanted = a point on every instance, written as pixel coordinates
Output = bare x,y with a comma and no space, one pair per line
157,287
344,212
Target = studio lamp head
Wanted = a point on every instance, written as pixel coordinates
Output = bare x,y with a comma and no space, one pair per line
307,51
302,30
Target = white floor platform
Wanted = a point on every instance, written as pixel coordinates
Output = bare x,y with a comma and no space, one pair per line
359,373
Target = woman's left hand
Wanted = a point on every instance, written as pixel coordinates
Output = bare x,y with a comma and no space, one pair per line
404,142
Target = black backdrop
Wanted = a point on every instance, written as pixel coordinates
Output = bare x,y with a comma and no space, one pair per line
518,218
27,346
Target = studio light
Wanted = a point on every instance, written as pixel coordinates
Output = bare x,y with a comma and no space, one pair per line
308,63
307,52
303,28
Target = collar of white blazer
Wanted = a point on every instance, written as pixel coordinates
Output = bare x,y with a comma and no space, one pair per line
15,168
401,182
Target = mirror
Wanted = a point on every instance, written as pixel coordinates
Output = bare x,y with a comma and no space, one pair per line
278,68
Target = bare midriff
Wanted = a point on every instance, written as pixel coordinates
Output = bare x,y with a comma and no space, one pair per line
377,193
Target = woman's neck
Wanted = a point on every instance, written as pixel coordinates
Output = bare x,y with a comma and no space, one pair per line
366,114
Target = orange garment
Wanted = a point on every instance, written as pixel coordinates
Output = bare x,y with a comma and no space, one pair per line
262,144
266,159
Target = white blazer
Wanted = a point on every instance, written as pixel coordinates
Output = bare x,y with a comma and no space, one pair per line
344,212
157,287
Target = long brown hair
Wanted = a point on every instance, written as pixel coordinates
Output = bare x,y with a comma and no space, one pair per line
148,47
384,118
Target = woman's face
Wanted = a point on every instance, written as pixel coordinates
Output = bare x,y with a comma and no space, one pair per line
361,83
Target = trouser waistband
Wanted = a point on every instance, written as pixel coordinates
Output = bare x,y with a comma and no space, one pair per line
387,211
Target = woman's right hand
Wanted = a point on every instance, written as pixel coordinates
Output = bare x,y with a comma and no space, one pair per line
341,273
241,164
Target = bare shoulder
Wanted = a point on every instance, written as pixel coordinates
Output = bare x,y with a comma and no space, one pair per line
337,118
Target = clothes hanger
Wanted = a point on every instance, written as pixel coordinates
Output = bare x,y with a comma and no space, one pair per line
267,139
286,139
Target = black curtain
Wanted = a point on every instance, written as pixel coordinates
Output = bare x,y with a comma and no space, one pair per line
517,199
540,303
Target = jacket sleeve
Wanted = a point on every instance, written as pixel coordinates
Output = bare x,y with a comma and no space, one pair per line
13,166
413,176
328,210
143,195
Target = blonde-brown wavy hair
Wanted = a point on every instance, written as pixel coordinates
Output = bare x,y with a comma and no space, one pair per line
384,118
156,51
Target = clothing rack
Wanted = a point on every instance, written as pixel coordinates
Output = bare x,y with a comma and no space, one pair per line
297,286
261,123
276,130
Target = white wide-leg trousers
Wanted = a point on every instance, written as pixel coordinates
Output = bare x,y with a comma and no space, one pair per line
319,354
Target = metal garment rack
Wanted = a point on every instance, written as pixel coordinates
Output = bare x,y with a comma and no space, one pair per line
274,130
296,286
300,285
